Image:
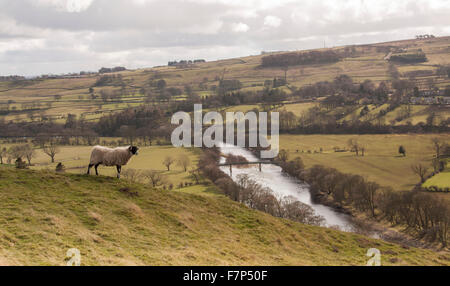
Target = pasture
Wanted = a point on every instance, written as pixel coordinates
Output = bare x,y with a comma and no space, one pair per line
382,163
76,160
74,96
441,180
117,222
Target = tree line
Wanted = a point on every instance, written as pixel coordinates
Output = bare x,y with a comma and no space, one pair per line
253,195
426,215
300,58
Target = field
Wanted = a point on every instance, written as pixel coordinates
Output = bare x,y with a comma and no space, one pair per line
43,214
76,160
382,163
441,180
127,222
57,97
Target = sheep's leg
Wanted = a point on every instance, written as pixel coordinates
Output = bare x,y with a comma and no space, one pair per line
96,169
119,169
89,169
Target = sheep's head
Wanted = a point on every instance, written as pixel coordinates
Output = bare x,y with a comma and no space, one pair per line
133,150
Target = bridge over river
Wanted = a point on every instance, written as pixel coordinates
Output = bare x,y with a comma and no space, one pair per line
259,163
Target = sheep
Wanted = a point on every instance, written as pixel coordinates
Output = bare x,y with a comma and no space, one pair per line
111,157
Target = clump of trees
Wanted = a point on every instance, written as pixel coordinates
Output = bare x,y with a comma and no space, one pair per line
356,147
155,178
110,70
409,58
426,215
133,175
106,80
24,151
300,58
227,85
253,195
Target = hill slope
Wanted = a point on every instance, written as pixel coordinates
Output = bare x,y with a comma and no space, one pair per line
30,100
43,214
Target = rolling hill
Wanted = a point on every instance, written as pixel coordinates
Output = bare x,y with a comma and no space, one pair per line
54,98
113,222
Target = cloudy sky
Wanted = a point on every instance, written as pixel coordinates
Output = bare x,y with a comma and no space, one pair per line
61,36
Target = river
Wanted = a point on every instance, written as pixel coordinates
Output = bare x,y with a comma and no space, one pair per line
283,185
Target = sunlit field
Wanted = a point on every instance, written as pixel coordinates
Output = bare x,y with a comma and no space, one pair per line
76,160
382,163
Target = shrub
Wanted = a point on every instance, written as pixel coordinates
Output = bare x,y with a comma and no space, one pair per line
60,168
20,164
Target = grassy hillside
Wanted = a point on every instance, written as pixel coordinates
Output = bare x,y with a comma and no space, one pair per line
367,62
43,214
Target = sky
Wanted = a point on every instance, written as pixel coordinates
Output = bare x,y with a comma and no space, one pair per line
63,36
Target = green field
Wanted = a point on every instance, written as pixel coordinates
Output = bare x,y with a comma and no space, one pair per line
43,214
441,180
382,163
76,160
367,63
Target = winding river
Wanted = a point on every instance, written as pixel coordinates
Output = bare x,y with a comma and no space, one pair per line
283,185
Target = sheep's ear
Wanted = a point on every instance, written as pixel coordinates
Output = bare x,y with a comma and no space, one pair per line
130,148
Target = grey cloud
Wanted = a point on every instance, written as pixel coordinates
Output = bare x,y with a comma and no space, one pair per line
111,32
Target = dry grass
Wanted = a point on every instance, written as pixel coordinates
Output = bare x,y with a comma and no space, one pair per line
43,214
382,163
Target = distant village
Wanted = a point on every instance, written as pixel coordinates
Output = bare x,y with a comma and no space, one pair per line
430,97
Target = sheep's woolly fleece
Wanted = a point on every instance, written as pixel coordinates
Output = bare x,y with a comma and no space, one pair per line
110,157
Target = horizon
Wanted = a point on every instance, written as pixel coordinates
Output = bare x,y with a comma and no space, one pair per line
207,60
67,36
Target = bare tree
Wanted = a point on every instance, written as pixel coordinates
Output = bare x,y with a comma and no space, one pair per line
420,170
3,153
29,152
16,152
132,174
437,145
283,155
184,161
51,150
156,178
168,161
196,175
370,196
363,150
354,146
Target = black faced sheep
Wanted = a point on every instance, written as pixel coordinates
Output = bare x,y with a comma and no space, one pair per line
111,157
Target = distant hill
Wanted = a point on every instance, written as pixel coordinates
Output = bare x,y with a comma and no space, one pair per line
81,95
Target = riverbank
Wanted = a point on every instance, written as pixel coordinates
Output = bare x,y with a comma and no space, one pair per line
283,186
368,205
415,218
